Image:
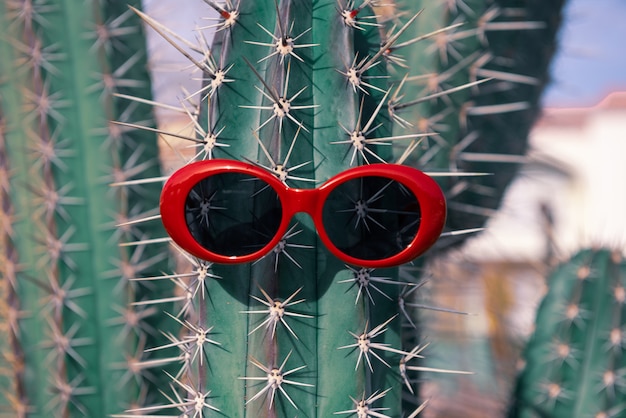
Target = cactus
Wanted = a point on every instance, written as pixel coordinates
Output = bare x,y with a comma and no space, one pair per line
303,89
574,362
71,331
293,87
482,129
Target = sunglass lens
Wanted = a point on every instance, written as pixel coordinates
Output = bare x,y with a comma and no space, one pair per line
233,214
371,218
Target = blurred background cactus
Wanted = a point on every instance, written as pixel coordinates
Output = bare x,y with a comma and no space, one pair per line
73,340
574,362
104,316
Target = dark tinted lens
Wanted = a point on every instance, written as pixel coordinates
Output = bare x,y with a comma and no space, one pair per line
371,218
233,214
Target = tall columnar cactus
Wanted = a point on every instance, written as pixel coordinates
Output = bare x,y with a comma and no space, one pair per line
71,334
575,362
305,90
482,129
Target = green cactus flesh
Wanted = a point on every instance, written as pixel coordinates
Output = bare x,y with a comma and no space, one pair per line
304,89
575,362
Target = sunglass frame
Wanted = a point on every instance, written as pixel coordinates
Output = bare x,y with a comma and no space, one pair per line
430,198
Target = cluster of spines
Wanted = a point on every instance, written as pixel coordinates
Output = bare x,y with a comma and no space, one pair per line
72,335
575,363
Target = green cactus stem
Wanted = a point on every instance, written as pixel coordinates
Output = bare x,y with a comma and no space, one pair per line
574,361
482,129
75,345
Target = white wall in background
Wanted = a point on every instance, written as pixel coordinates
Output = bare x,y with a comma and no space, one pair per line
579,170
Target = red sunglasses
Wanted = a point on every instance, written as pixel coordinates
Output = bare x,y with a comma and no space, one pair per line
377,215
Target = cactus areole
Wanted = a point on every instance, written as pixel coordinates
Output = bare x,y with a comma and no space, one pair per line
228,211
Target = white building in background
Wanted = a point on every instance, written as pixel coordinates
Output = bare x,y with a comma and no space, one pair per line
576,169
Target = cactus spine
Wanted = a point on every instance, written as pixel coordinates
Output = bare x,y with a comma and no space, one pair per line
304,89
574,362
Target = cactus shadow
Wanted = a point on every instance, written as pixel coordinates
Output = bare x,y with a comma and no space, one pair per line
304,263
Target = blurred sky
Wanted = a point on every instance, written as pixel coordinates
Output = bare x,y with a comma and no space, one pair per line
591,61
